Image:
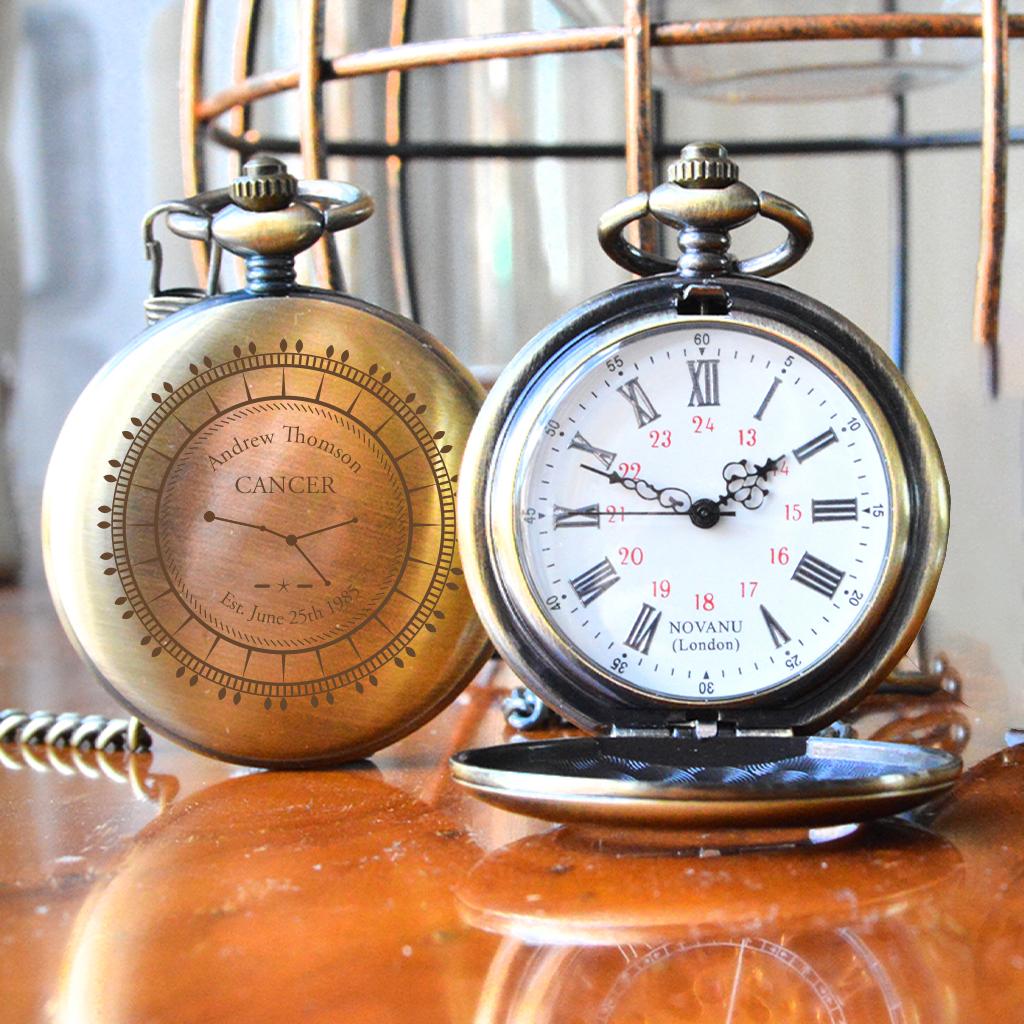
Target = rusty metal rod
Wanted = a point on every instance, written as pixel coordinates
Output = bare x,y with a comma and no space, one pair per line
326,264
576,40
394,171
994,150
376,148
243,57
636,52
796,28
190,84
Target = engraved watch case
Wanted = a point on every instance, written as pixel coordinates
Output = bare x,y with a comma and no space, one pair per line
249,517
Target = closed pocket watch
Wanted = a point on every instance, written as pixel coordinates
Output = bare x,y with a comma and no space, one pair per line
703,516
249,516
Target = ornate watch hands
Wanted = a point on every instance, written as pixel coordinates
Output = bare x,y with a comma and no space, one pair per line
703,513
291,539
743,482
675,499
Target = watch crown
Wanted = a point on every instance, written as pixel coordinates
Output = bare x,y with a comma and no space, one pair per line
703,165
264,184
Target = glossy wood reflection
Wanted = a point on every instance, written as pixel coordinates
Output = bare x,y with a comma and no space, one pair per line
170,887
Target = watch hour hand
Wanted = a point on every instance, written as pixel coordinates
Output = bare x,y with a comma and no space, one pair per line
675,499
612,478
745,483
771,466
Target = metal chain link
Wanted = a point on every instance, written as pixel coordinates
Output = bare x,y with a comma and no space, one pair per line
70,729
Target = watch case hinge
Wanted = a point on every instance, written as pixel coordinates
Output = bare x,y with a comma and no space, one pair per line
703,299
701,729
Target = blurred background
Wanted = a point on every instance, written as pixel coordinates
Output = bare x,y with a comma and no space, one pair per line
497,246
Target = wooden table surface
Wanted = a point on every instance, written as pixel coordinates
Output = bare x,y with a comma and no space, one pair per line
169,887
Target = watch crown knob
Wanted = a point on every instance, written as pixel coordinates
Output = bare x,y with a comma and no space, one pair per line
264,184
703,165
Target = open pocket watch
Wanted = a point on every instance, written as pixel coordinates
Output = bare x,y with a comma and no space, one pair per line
703,515
249,516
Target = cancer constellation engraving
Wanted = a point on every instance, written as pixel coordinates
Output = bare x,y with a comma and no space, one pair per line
282,524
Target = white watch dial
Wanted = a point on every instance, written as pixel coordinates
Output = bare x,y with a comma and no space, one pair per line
705,512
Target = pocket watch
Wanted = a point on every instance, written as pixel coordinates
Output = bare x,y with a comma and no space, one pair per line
249,516
703,516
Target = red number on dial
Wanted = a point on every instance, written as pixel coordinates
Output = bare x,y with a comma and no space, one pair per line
631,556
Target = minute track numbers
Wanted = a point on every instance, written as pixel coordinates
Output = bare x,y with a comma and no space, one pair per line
707,511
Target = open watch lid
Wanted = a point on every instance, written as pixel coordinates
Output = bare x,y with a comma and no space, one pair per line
712,782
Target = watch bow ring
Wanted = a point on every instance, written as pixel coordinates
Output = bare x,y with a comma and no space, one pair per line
704,200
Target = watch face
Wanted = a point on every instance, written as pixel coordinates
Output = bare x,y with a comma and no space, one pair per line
707,511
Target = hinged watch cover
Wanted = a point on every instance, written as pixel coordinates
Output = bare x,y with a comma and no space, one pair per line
720,782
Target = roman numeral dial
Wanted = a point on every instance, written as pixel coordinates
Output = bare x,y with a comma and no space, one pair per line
815,445
588,515
703,381
761,409
833,510
775,631
590,585
581,444
818,575
611,459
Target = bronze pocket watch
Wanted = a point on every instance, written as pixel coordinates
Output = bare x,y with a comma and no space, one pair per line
703,515
249,516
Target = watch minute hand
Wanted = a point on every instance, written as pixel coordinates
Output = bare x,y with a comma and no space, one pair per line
612,478
673,498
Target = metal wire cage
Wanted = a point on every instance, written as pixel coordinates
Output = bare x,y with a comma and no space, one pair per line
224,118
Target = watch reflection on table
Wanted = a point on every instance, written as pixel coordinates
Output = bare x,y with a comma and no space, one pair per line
822,928
314,896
